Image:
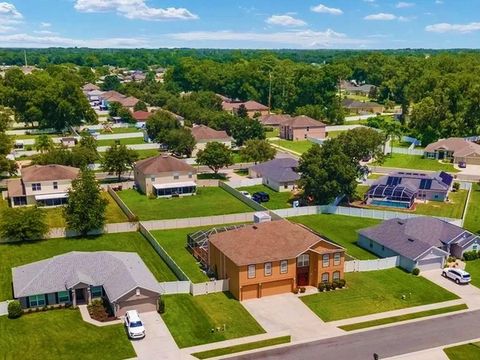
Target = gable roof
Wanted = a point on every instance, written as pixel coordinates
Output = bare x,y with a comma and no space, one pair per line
15,188
417,180
250,105
162,163
279,170
302,121
128,101
117,272
459,146
202,132
90,87
141,115
353,104
264,242
48,173
273,119
413,237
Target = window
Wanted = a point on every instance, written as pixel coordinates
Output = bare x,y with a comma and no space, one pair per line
308,129
325,277
190,175
36,300
383,248
251,271
152,179
283,267
325,260
303,260
96,291
63,296
176,176
336,275
36,187
371,244
267,269
336,258
475,247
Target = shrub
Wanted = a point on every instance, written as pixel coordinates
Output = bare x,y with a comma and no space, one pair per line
295,291
302,290
335,284
97,311
456,186
451,259
470,255
342,283
328,286
416,271
321,287
14,309
161,305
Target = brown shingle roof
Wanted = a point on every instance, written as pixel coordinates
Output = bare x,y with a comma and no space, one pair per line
162,163
128,101
303,121
141,115
250,105
15,188
48,173
459,146
202,132
90,87
268,241
273,119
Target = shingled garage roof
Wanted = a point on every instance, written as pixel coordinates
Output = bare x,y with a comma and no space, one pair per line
413,237
141,115
268,241
162,163
15,188
280,170
48,173
303,121
117,272
202,133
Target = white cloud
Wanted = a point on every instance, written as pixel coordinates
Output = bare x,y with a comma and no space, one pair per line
320,8
134,9
369,1
10,11
402,5
438,2
285,20
458,28
45,24
44,32
381,17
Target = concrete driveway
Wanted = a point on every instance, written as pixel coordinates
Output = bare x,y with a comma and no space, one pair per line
286,312
469,293
158,342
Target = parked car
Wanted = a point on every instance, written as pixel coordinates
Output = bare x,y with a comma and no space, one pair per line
260,197
457,275
134,325
462,164
246,194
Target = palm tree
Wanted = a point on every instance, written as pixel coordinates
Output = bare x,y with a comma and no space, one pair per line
43,143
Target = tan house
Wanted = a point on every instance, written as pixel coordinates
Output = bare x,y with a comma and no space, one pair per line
203,135
454,149
273,120
165,176
302,127
272,258
253,107
42,185
361,107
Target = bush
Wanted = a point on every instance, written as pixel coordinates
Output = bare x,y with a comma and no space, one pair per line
321,287
328,286
342,283
97,311
451,259
295,291
302,290
14,309
470,255
416,271
456,186
161,305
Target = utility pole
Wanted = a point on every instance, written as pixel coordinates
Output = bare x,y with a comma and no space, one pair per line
270,92
25,56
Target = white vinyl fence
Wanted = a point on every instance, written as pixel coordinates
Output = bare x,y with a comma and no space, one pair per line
56,233
208,287
244,182
406,151
175,287
371,265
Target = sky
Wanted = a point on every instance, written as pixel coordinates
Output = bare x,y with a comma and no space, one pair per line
266,24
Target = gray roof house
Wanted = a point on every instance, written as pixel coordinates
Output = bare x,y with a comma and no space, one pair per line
422,242
277,174
78,277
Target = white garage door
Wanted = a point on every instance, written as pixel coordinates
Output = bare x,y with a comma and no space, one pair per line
431,263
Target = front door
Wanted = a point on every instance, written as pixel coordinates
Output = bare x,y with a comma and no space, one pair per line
80,296
303,270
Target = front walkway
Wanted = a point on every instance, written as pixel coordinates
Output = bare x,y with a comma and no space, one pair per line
87,318
286,312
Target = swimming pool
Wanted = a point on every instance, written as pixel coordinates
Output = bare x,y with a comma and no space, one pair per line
393,204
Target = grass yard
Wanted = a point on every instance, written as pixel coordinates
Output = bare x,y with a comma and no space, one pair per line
473,267
394,319
453,209
472,219
278,200
341,230
144,154
242,347
122,130
296,146
334,134
209,201
274,133
416,162
61,334
361,190
191,319
374,292
463,352
17,254
127,141
113,213
373,176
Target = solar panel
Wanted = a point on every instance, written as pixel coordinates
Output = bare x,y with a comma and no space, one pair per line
394,180
446,178
425,184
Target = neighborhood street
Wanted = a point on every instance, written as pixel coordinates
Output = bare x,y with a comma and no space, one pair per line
386,342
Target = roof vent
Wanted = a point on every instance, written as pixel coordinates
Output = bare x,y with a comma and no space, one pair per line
400,222
411,240
255,227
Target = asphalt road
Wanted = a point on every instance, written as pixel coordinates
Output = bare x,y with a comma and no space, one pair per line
386,342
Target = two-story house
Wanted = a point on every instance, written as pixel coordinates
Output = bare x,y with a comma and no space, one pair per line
302,127
164,176
42,185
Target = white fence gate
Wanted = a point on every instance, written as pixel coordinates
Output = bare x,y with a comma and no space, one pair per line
371,265
175,287
209,287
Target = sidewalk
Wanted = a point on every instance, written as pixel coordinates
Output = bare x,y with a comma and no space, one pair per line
3,308
86,317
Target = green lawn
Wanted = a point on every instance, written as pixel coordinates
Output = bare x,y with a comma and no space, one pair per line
296,146
416,162
278,200
361,190
61,334
473,267
144,154
127,141
374,292
463,352
209,201
394,319
113,213
122,130
334,134
191,319
452,209
375,176
274,133
17,254
472,219
243,347
340,229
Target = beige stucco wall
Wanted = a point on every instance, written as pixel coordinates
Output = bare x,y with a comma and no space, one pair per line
202,144
144,182
47,187
296,134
